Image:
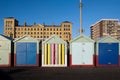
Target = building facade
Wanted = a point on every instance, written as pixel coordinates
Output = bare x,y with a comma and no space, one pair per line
106,27
14,30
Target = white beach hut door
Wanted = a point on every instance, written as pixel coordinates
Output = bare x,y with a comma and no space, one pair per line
82,53
87,53
76,53
4,52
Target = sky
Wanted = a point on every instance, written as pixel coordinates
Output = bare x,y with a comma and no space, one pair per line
57,11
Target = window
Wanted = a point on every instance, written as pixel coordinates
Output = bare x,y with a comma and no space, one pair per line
64,25
38,29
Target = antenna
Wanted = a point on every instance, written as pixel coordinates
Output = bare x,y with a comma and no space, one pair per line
81,30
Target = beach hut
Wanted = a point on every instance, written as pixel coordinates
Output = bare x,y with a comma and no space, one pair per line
5,51
54,52
107,51
26,51
82,51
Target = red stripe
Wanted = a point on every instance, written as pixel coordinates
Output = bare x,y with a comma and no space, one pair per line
70,57
96,60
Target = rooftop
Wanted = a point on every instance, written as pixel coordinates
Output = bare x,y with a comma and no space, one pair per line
105,20
66,22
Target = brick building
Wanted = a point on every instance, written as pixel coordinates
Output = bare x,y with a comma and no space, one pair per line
106,27
14,30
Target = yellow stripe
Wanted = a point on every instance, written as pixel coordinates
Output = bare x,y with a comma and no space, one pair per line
63,59
48,53
45,61
59,53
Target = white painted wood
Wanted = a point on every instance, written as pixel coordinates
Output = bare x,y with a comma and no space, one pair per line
76,50
4,57
87,54
4,45
5,51
82,53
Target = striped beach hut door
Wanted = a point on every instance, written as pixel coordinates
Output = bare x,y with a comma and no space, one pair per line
54,54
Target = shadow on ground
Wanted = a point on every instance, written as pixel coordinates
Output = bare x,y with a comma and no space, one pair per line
67,73
4,76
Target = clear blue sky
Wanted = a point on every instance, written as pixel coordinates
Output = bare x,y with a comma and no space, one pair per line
57,11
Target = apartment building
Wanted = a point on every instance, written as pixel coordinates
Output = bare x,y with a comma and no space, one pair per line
106,27
39,31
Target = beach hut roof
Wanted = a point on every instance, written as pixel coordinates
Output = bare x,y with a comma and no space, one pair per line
82,38
54,39
107,38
